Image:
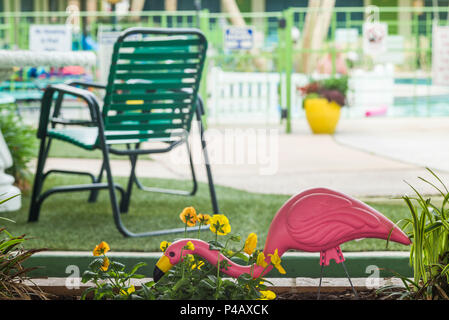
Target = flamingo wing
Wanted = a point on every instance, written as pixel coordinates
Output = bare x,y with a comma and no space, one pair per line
321,219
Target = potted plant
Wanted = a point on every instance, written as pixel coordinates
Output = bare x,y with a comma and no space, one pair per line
322,102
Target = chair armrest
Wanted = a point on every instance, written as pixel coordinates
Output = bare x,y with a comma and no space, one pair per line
87,84
55,119
63,89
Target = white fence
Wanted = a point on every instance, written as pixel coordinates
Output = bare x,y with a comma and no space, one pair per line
244,97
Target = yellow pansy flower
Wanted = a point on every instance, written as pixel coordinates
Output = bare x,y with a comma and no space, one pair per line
105,265
204,219
219,224
260,261
128,291
164,245
267,295
101,249
189,246
200,264
276,261
250,243
188,216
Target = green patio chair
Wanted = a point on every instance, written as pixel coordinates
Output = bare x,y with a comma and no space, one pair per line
151,95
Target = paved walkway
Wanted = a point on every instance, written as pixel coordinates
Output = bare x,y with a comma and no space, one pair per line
367,157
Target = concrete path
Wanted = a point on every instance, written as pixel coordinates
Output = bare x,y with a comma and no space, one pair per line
367,157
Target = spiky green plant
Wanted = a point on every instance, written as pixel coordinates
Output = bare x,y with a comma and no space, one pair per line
428,227
12,272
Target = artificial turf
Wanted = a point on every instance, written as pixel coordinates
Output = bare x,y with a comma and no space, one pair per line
69,222
61,149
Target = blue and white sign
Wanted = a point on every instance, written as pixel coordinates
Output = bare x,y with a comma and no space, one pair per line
50,37
239,38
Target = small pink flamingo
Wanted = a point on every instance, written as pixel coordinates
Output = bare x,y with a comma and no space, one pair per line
376,112
316,220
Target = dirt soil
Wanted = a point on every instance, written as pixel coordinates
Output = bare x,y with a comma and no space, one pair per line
338,295
365,294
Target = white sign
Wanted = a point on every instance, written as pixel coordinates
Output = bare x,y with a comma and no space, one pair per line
239,38
50,38
440,55
375,38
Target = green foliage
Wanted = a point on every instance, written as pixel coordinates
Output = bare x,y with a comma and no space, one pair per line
111,280
333,89
21,142
196,279
193,278
12,273
336,83
428,227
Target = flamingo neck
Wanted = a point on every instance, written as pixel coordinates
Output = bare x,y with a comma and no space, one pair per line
214,256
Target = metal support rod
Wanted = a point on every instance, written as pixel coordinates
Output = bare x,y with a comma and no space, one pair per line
350,282
174,191
321,278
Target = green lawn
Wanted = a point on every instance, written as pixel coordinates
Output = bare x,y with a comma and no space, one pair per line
68,222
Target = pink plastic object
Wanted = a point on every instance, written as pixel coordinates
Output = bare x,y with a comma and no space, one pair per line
316,220
376,112
73,70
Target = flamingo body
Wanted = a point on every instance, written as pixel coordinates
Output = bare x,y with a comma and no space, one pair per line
316,220
320,220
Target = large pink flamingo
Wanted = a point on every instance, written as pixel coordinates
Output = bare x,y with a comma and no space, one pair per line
316,220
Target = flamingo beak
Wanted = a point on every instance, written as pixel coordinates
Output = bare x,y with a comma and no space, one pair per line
162,266
399,236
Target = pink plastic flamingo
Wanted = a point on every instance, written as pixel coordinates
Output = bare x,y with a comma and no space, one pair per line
316,220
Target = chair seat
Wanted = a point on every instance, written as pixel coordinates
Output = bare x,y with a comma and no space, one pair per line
82,137
86,137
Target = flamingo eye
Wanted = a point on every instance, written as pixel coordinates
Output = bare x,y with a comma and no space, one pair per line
171,254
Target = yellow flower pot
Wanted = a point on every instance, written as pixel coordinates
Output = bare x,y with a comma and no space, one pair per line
322,115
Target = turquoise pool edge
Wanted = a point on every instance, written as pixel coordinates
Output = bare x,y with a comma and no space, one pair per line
297,264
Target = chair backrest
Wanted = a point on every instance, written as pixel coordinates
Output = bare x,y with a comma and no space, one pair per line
153,84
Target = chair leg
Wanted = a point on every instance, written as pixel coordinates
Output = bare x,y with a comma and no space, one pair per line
38,180
116,208
112,195
213,195
174,191
38,196
93,196
124,207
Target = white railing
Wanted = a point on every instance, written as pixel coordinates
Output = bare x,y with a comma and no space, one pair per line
238,97
249,97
